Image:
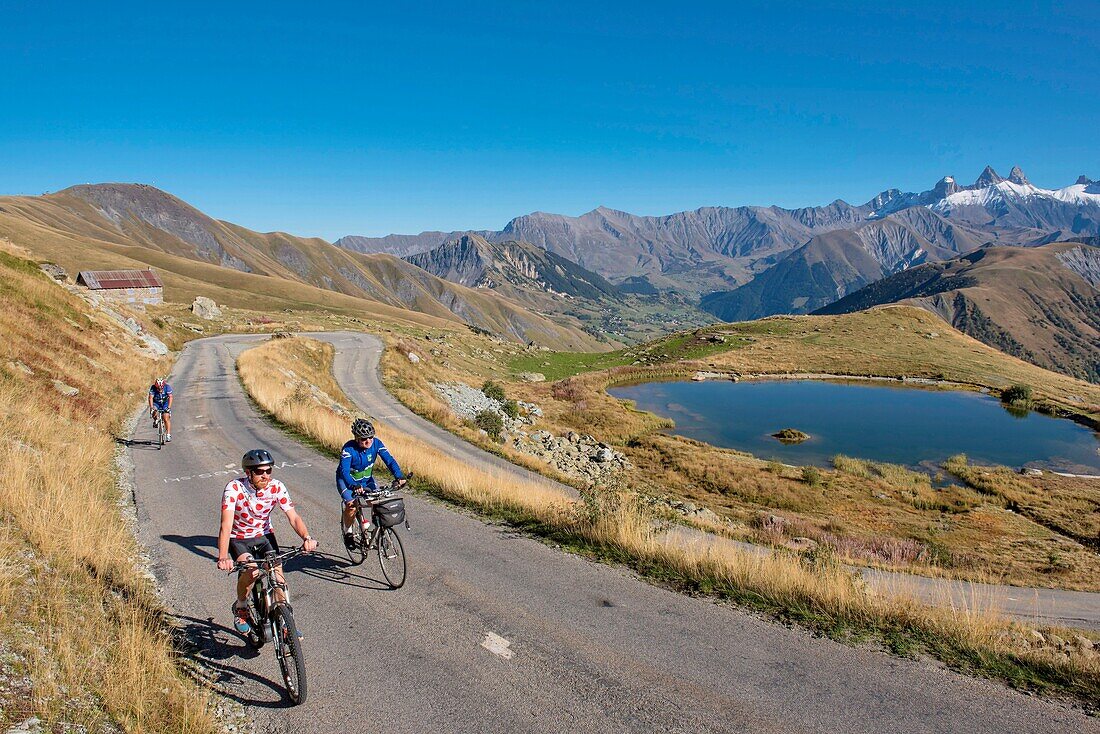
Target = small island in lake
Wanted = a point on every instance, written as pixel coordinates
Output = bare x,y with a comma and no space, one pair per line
790,435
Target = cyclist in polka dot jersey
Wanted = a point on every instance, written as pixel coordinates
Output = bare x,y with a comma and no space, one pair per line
246,531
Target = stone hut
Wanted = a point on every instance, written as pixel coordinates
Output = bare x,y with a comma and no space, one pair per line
124,286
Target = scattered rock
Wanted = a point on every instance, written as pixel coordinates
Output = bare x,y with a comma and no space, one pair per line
413,357
154,345
791,435
1055,640
55,271
1029,472
281,335
532,377
932,335
1083,643
205,308
575,454
1036,637
97,365
33,725
131,324
603,455
17,366
67,390
801,543
197,328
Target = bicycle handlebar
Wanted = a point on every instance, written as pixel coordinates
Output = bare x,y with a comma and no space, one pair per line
267,563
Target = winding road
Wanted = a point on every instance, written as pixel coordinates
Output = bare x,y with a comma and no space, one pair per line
494,631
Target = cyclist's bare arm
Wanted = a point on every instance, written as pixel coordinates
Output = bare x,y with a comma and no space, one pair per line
225,563
299,525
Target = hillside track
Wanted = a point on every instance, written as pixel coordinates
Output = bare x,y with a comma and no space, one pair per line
497,632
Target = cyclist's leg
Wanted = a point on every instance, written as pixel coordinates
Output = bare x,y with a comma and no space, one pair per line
348,512
166,414
243,551
277,571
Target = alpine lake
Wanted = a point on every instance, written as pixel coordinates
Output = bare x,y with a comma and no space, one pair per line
912,426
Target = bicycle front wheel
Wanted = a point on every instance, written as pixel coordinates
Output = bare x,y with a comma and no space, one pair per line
391,556
160,429
291,661
357,553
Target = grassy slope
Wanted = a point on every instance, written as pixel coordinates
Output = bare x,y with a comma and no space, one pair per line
1022,300
610,524
77,614
872,515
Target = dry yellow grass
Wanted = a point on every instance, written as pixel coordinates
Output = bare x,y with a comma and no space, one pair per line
75,606
612,524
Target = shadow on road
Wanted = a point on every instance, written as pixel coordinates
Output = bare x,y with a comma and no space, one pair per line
136,444
209,645
197,544
338,570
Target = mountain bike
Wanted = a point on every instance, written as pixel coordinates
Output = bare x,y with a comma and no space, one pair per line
272,620
158,421
377,514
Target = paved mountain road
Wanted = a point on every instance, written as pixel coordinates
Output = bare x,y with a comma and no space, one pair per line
496,632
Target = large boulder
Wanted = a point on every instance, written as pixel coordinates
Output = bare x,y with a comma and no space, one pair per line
205,308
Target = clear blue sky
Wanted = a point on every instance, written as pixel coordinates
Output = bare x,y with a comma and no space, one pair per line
332,119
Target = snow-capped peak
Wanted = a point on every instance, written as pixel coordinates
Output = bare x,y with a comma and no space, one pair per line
1017,177
988,177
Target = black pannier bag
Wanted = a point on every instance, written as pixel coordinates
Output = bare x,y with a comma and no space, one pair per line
391,512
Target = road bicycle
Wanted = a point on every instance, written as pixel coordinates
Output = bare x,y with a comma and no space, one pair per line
272,620
158,421
377,514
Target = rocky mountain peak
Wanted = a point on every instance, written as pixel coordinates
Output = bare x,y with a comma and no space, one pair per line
988,177
1084,180
945,187
1017,176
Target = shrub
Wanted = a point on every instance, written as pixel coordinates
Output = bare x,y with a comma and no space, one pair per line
490,422
1016,395
568,389
493,390
511,409
812,476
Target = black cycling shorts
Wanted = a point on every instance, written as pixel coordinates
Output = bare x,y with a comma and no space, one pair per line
257,547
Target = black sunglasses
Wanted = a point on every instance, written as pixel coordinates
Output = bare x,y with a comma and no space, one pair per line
268,470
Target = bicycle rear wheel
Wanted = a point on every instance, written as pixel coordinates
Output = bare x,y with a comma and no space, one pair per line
391,557
358,552
289,651
160,429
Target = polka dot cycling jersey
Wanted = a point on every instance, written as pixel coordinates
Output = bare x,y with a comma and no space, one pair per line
252,507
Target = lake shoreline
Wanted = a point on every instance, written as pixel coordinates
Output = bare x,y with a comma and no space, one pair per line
828,412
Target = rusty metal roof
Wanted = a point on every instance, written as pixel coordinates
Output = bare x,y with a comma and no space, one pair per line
112,279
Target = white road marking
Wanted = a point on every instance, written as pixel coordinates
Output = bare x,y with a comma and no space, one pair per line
497,645
230,466
224,472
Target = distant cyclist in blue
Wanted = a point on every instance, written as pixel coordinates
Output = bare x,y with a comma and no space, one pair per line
160,399
356,466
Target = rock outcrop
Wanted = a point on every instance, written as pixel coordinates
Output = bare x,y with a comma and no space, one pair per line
578,455
205,308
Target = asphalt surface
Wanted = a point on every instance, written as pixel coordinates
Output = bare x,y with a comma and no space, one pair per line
497,632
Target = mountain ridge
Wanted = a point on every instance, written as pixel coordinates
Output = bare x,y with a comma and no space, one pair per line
80,225
710,249
1041,304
